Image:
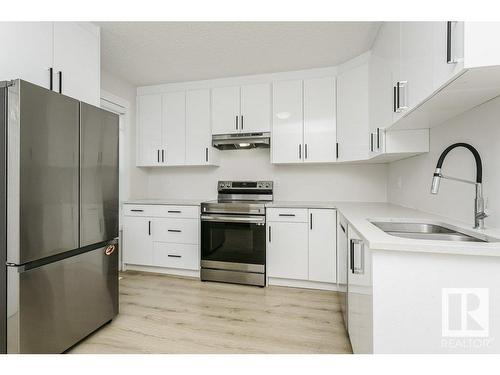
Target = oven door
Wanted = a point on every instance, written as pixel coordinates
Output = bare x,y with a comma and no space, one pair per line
235,239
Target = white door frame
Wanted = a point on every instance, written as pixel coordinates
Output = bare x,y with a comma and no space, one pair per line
121,107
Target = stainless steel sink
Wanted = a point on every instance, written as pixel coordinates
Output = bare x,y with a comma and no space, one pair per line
424,231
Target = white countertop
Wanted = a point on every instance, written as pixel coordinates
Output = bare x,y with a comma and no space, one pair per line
170,202
301,204
359,215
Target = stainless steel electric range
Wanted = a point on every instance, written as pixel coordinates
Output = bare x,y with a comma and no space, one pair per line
233,233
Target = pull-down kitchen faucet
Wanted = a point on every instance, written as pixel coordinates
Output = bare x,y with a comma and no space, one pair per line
479,212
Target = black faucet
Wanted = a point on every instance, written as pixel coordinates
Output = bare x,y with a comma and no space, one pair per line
479,213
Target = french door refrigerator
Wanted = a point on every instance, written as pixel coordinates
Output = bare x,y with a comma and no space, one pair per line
58,219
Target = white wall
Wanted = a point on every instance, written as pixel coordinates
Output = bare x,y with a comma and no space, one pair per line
302,182
410,179
137,178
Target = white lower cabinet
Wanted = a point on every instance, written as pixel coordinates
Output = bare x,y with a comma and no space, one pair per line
162,236
287,255
137,240
322,245
301,244
359,294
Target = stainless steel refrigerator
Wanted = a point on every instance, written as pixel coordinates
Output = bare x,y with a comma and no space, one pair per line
58,219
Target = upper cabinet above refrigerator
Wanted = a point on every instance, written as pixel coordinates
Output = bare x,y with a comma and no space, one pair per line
61,56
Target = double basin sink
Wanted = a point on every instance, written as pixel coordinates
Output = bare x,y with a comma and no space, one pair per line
425,231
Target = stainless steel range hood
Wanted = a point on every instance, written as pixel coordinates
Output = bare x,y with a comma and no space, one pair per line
241,141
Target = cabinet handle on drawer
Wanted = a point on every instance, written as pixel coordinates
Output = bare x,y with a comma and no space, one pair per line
174,212
174,256
137,210
149,228
287,215
175,230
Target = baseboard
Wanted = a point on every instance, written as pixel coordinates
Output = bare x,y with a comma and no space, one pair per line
163,270
301,284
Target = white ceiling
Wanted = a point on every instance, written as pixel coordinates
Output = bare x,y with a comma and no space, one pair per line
146,53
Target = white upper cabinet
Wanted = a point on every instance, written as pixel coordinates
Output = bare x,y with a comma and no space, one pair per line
416,62
353,123
26,51
149,137
174,128
304,122
319,120
77,61
447,51
242,109
255,108
287,133
226,110
198,132
71,49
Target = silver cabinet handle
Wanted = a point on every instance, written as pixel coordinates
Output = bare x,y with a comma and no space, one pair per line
449,43
402,99
361,269
378,138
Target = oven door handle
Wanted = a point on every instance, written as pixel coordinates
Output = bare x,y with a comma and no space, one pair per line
234,219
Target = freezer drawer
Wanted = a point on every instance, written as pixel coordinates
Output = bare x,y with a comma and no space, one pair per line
52,307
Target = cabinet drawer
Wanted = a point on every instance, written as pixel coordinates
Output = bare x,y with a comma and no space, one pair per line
176,230
296,215
184,212
171,255
149,210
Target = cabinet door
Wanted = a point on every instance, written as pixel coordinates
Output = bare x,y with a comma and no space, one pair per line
287,253
174,128
384,72
137,240
342,264
322,245
256,108
287,133
319,120
149,129
352,114
359,295
416,62
198,132
26,51
77,56
226,110
444,70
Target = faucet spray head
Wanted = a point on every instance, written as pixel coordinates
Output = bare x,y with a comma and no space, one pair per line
436,179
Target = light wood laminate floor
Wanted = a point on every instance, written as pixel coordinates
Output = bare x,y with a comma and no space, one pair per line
166,314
